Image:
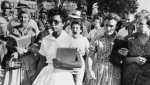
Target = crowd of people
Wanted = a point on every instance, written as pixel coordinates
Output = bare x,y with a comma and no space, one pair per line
111,49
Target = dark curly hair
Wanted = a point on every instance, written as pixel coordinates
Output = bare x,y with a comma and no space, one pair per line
77,22
58,11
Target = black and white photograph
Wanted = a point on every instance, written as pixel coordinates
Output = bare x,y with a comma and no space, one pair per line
74,42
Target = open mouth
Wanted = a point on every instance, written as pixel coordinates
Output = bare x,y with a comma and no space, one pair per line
74,32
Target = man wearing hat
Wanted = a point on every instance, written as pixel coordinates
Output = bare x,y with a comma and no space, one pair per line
15,21
6,8
76,16
43,18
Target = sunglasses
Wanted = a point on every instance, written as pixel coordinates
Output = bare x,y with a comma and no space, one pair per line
56,22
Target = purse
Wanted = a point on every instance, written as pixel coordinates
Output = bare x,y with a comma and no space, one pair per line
12,64
115,58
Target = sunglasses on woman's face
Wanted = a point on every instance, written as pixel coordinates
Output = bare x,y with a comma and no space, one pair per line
56,22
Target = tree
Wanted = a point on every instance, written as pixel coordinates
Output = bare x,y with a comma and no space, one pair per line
118,6
59,3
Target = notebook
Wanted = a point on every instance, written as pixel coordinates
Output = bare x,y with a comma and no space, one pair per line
66,54
23,41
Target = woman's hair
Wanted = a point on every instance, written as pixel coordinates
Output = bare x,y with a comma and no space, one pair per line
78,23
143,16
24,12
114,16
58,11
96,17
100,20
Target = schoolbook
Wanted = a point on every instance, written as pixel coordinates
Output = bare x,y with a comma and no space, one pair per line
23,41
66,54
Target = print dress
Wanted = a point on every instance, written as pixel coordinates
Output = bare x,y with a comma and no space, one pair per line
106,73
133,73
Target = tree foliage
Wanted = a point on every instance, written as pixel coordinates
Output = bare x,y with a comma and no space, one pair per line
59,3
118,6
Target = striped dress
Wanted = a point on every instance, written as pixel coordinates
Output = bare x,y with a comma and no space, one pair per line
106,73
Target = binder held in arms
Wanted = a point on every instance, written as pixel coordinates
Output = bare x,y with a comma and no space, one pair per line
23,41
66,55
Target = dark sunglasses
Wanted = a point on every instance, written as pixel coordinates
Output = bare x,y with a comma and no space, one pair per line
56,22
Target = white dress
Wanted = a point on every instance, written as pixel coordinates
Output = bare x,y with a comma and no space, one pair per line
83,46
50,75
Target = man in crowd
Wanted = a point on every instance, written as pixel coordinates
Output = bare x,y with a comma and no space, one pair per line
6,9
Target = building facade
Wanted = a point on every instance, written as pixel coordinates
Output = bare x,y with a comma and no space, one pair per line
14,3
36,7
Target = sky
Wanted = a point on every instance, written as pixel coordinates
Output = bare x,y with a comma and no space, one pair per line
144,4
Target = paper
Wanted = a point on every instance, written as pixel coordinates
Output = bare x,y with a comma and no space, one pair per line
23,41
66,54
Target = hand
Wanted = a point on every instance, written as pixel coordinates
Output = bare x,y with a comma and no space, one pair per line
21,50
33,49
123,51
140,60
15,55
57,63
92,74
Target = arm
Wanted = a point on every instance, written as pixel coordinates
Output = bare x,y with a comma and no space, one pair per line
89,60
130,59
139,60
72,64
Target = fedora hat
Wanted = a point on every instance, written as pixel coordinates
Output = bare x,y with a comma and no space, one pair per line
22,5
76,14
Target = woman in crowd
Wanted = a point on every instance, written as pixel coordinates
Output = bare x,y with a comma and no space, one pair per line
102,71
23,74
137,67
83,48
52,74
97,29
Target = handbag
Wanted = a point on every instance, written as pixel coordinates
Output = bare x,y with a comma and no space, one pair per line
13,63
115,58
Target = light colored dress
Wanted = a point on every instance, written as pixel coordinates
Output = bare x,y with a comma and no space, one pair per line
50,75
48,49
106,73
83,47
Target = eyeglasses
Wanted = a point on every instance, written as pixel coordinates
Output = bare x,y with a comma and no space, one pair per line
56,22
